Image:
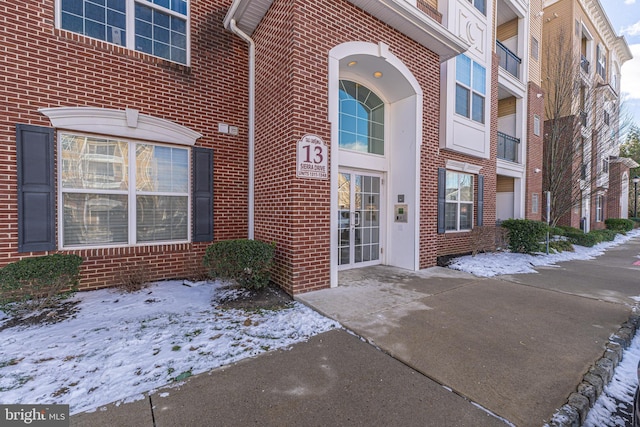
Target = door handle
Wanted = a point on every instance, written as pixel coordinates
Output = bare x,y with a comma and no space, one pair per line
356,219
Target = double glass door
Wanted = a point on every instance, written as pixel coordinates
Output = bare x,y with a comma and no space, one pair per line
359,197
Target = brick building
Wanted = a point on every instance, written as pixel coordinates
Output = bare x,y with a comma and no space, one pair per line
580,41
136,132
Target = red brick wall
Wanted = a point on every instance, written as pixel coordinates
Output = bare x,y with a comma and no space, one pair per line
616,172
459,242
47,67
535,105
292,46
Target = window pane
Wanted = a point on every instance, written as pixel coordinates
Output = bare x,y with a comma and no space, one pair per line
73,6
480,5
450,216
466,187
361,119
161,218
478,108
462,101
91,219
162,169
96,163
452,186
72,23
466,216
463,70
479,79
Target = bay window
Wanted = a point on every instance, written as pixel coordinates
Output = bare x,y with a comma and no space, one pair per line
121,192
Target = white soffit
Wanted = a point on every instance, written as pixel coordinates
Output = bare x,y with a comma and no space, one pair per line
125,123
398,14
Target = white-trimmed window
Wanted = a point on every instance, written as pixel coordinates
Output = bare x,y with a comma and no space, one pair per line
481,5
471,81
156,27
361,119
118,192
599,208
601,62
458,201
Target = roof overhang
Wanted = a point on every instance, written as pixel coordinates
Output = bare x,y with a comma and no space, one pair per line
398,14
630,163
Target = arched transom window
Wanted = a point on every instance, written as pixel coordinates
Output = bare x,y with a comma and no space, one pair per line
361,119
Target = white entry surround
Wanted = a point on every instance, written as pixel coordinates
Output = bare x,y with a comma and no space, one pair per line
402,95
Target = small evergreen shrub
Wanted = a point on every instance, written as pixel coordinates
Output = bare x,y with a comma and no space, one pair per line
561,246
621,225
578,237
525,235
33,284
246,261
605,235
556,231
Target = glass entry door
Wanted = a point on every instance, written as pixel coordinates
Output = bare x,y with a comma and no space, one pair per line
359,197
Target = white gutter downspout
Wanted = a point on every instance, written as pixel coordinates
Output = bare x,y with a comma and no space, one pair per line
251,131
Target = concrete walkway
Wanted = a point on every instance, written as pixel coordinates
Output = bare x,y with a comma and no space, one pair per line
517,345
452,350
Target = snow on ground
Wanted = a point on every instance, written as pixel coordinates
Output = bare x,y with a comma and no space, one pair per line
496,263
606,411
119,345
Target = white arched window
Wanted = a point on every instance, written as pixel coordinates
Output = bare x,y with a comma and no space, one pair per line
361,117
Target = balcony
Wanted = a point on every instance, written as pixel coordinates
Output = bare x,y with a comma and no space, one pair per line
508,147
584,64
508,60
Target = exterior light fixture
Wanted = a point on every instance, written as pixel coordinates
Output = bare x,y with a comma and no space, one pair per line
377,74
352,63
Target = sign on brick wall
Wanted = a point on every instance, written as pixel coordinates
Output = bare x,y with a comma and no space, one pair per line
312,158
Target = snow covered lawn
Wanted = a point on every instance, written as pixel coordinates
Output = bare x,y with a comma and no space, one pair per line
496,263
120,345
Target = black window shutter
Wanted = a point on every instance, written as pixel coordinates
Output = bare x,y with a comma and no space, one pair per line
479,220
202,194
36,188
442,188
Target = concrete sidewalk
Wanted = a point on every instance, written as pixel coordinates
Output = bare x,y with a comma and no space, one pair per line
516,346
334,379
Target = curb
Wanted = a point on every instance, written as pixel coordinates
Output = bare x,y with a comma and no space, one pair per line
575,411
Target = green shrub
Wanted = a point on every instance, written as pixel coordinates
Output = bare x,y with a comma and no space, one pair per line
619,224
33,284
556,231
561,246
578,237
525,235
605,235
246,261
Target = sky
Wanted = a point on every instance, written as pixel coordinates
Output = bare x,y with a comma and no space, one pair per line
118,346
624,16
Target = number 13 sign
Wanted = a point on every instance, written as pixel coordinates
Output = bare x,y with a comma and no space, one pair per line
312,158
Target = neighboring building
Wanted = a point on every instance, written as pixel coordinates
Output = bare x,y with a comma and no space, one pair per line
136,133
597,181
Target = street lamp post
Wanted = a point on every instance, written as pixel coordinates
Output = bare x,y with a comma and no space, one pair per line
635,180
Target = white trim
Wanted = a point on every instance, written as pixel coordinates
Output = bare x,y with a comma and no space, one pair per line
131,194
398,14
125,123
455,165
412,93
